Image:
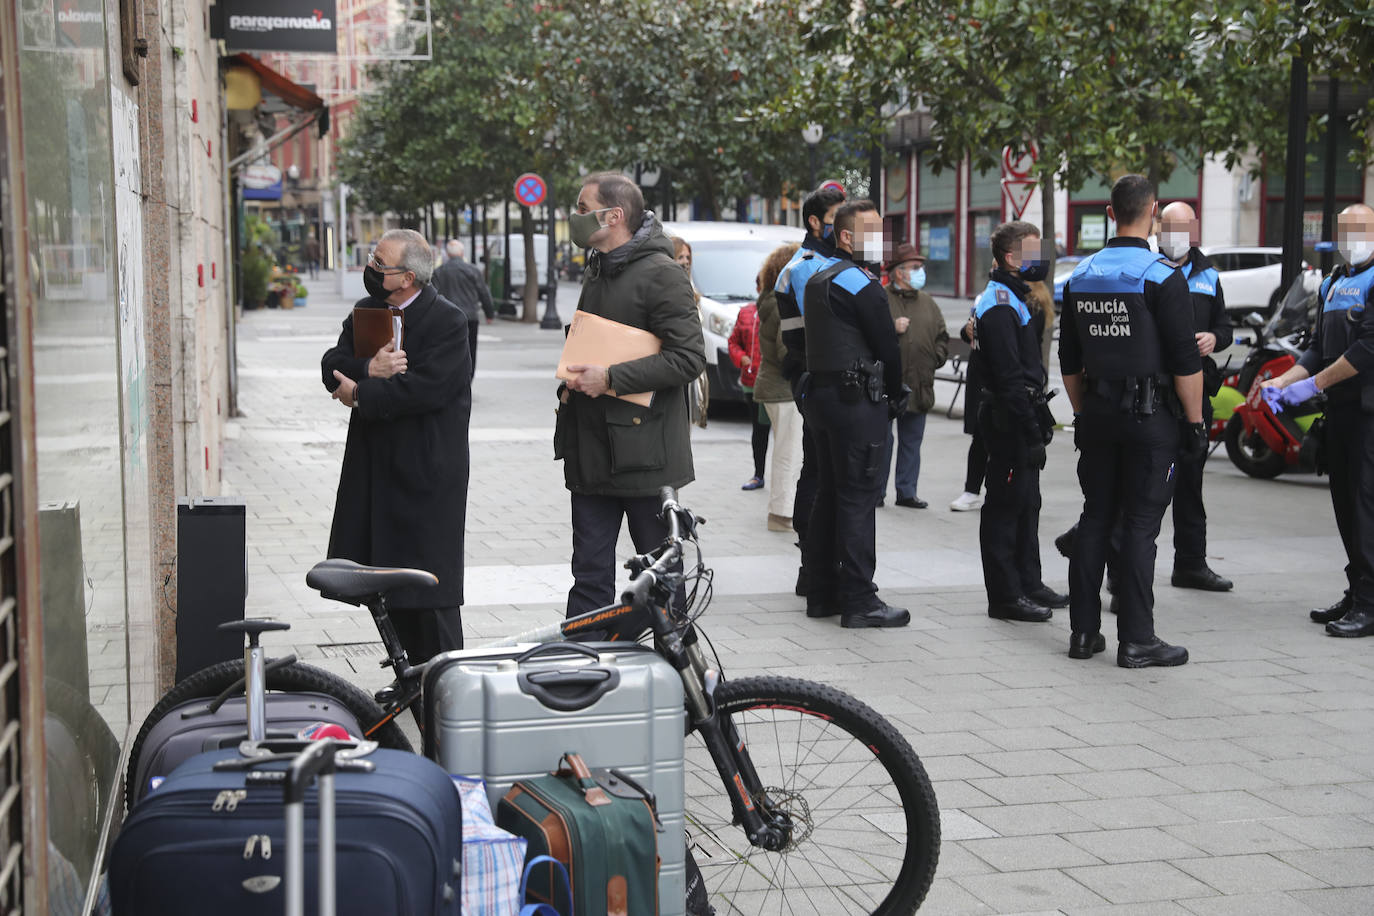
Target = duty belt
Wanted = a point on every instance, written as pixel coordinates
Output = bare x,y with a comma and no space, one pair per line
1141,395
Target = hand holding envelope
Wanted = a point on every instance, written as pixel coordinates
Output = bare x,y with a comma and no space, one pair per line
595,343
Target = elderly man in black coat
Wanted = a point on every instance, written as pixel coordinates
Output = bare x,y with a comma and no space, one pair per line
403,489
465,286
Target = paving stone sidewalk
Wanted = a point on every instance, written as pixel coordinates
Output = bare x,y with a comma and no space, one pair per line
1241,783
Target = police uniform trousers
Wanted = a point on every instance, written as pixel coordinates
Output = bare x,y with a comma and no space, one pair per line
1190,517
840,554
1009,527
1349,452
1126,468
806,479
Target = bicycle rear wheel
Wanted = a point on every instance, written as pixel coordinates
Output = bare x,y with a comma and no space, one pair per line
865,825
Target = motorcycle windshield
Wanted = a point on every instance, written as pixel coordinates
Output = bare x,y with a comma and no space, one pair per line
1297,310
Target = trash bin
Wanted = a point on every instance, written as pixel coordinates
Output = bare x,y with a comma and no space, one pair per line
212,580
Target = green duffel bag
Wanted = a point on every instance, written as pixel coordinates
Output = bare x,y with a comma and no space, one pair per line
603,828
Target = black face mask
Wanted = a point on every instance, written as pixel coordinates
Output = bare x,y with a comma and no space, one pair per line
373,283
1034,270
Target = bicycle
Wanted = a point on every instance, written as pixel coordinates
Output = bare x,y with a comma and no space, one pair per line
800,798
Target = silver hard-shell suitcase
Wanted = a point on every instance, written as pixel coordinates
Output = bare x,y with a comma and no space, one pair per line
508,714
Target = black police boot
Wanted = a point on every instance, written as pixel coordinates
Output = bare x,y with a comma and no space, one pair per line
821,607
1043,594
884,615
1334,612
1353,624
1086,645
1204,579
1020,609
1146,654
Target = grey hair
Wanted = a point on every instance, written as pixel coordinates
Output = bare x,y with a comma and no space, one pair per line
416,255
454,248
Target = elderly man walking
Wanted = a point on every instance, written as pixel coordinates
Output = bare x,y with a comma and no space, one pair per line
465,286
403,489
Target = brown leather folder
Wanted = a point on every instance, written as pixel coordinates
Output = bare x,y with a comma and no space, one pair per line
374,328
593,340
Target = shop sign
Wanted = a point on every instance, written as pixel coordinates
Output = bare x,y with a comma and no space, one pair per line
308,26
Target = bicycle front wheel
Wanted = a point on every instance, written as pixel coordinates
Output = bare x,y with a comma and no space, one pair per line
864,825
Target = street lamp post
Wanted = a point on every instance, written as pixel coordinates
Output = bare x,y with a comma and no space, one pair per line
812,134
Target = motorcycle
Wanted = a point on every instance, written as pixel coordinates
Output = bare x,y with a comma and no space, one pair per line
1258,441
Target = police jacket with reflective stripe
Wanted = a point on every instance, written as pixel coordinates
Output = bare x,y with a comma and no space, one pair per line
1127,314
1209,303
811,258
1345,327
1008,354
847,319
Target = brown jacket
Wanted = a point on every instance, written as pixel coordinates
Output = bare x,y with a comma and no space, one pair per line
924,345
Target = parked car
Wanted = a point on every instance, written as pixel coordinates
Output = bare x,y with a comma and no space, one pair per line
726,258
517,261
1063,269
1249,277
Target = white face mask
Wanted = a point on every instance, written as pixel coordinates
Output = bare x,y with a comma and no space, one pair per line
1357,252
870,248
1174,245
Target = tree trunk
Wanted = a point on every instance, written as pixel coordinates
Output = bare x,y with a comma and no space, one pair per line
1047,234
531,310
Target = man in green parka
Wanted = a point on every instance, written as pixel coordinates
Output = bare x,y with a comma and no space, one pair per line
616,454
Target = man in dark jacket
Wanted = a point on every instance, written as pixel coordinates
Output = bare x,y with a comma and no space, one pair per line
616,454
465,286
923,341
403,490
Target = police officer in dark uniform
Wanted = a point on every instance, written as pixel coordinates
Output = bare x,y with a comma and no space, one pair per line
1015,425
1132,371
1178,239
1342,349
816,253
852,386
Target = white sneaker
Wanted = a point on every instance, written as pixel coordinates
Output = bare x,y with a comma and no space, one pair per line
965,502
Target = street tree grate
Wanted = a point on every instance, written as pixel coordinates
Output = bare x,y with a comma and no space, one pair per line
352,650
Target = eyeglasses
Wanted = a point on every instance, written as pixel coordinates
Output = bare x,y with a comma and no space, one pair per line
379,266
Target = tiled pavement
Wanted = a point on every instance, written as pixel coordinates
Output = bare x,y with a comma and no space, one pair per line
1241,783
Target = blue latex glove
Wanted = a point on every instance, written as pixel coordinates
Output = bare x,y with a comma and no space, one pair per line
1273,396
1298,392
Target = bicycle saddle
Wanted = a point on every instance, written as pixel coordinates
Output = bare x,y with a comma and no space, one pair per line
353,583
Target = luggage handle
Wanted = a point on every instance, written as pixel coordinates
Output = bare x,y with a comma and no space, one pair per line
555,688
600,776
347,750
592,793
560,872
315,760
548,647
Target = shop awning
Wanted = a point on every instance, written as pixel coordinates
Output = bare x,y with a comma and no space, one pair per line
273,82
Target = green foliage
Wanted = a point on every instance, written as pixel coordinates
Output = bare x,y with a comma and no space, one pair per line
255,260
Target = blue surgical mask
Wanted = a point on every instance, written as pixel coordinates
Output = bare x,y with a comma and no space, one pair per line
827,230
916,278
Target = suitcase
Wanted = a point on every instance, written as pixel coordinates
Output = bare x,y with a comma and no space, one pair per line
210,842
606,835
508,714
187,730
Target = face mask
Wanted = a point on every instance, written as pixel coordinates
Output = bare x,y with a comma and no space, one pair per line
916,279
870,248
582,226
1356,253
1174,245
1031,271
827,230
373,282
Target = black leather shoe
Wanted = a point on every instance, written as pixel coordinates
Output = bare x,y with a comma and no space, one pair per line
1086,645
1044,595
1204,579
821,608
1064,543
884,615
1021,609
1334,612
1146,654
803,580
1353,624
911,502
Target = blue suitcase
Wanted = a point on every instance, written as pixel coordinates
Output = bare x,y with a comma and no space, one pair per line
210,842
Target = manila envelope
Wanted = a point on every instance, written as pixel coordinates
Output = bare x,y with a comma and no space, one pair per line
597,341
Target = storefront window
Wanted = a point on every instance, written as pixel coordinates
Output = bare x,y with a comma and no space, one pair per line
1349,188
936,240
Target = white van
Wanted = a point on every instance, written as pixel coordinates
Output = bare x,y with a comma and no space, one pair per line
726,257
496,249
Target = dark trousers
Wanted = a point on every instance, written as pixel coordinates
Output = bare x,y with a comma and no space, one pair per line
977,464
596,529
472,343
1190,517
758,435
1349,449
806,481
840,554
1125,468
1009,527
425,632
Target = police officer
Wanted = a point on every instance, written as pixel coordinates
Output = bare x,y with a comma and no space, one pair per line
1343,348
817,252
1014,421
1132,371
853,384
1178,240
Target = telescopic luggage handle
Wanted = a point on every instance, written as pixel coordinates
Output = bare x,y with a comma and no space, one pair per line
316,760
